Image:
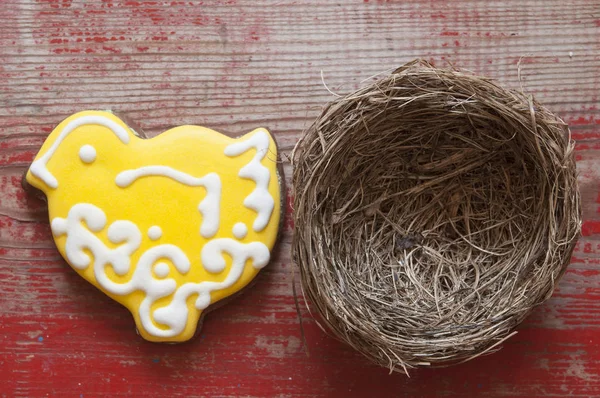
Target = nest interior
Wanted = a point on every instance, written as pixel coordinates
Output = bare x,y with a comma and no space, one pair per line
433,211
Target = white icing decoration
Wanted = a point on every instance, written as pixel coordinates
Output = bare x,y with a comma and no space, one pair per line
85,220
87,154
240,230
259,200
161,270
154,232
175,314
38,168
209,206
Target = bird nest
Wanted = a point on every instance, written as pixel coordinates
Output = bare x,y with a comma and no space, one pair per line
434,210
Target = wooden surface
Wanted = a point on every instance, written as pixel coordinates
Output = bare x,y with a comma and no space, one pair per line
233,66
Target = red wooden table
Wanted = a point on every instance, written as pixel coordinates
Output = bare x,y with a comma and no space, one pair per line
233,66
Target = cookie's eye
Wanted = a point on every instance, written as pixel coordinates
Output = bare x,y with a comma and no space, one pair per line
87,154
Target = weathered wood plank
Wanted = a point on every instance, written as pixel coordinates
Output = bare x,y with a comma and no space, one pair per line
234,65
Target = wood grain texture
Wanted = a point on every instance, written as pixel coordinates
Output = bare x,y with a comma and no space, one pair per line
233,66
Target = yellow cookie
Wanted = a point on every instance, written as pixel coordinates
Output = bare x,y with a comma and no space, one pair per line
165,226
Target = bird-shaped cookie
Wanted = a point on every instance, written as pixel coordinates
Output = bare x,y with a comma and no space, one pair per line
165,226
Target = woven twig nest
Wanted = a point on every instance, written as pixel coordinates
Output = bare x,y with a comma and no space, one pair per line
434,210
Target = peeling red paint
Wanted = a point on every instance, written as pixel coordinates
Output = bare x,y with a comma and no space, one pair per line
289,211
589,228
584,121
584,135
102,53
112,49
